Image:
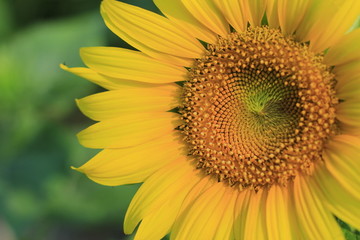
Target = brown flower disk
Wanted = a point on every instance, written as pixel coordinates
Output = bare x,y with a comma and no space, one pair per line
258,108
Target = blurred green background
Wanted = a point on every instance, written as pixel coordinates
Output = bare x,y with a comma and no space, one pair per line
40,196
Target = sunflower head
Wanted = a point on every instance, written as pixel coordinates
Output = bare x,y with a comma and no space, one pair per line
240,117
258,108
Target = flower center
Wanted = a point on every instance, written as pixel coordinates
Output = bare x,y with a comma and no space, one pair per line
258,108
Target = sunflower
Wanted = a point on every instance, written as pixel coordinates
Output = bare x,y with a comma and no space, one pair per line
240,117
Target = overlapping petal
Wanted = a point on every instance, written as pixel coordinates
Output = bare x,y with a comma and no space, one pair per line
346,50
158,201
311,211
255,10
209,217
153,30
336,198
94,77
341,159
128,130
348,91
131,23
207,13
233,13
348,113
325,22
114,167
348,81
291,13
272,13
255,222
179,15
159,189
131,65
240,212
129,99
345,73
277,213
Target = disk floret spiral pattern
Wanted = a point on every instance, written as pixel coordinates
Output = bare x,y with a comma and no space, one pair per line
258,108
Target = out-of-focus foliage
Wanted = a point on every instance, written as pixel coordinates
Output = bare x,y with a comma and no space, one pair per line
5,19
34,89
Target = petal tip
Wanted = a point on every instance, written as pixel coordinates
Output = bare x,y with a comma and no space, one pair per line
64,67
77,169
77,101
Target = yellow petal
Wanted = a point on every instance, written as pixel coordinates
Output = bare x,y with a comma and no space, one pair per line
169,185
111,23
226,223
339,201
315,220
131,165
277,213
158,223
92,76
346,72
132,65
341,157
348,88
233,13
255,10
291,13
345,51
105,81
272,13
326,22
209,217
128,130
348,113
255,221
295,224
112,104
240,213
205,183
182,18
158,202
152,30
348,80
207,13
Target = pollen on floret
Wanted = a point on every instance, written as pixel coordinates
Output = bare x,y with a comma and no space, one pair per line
258,108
